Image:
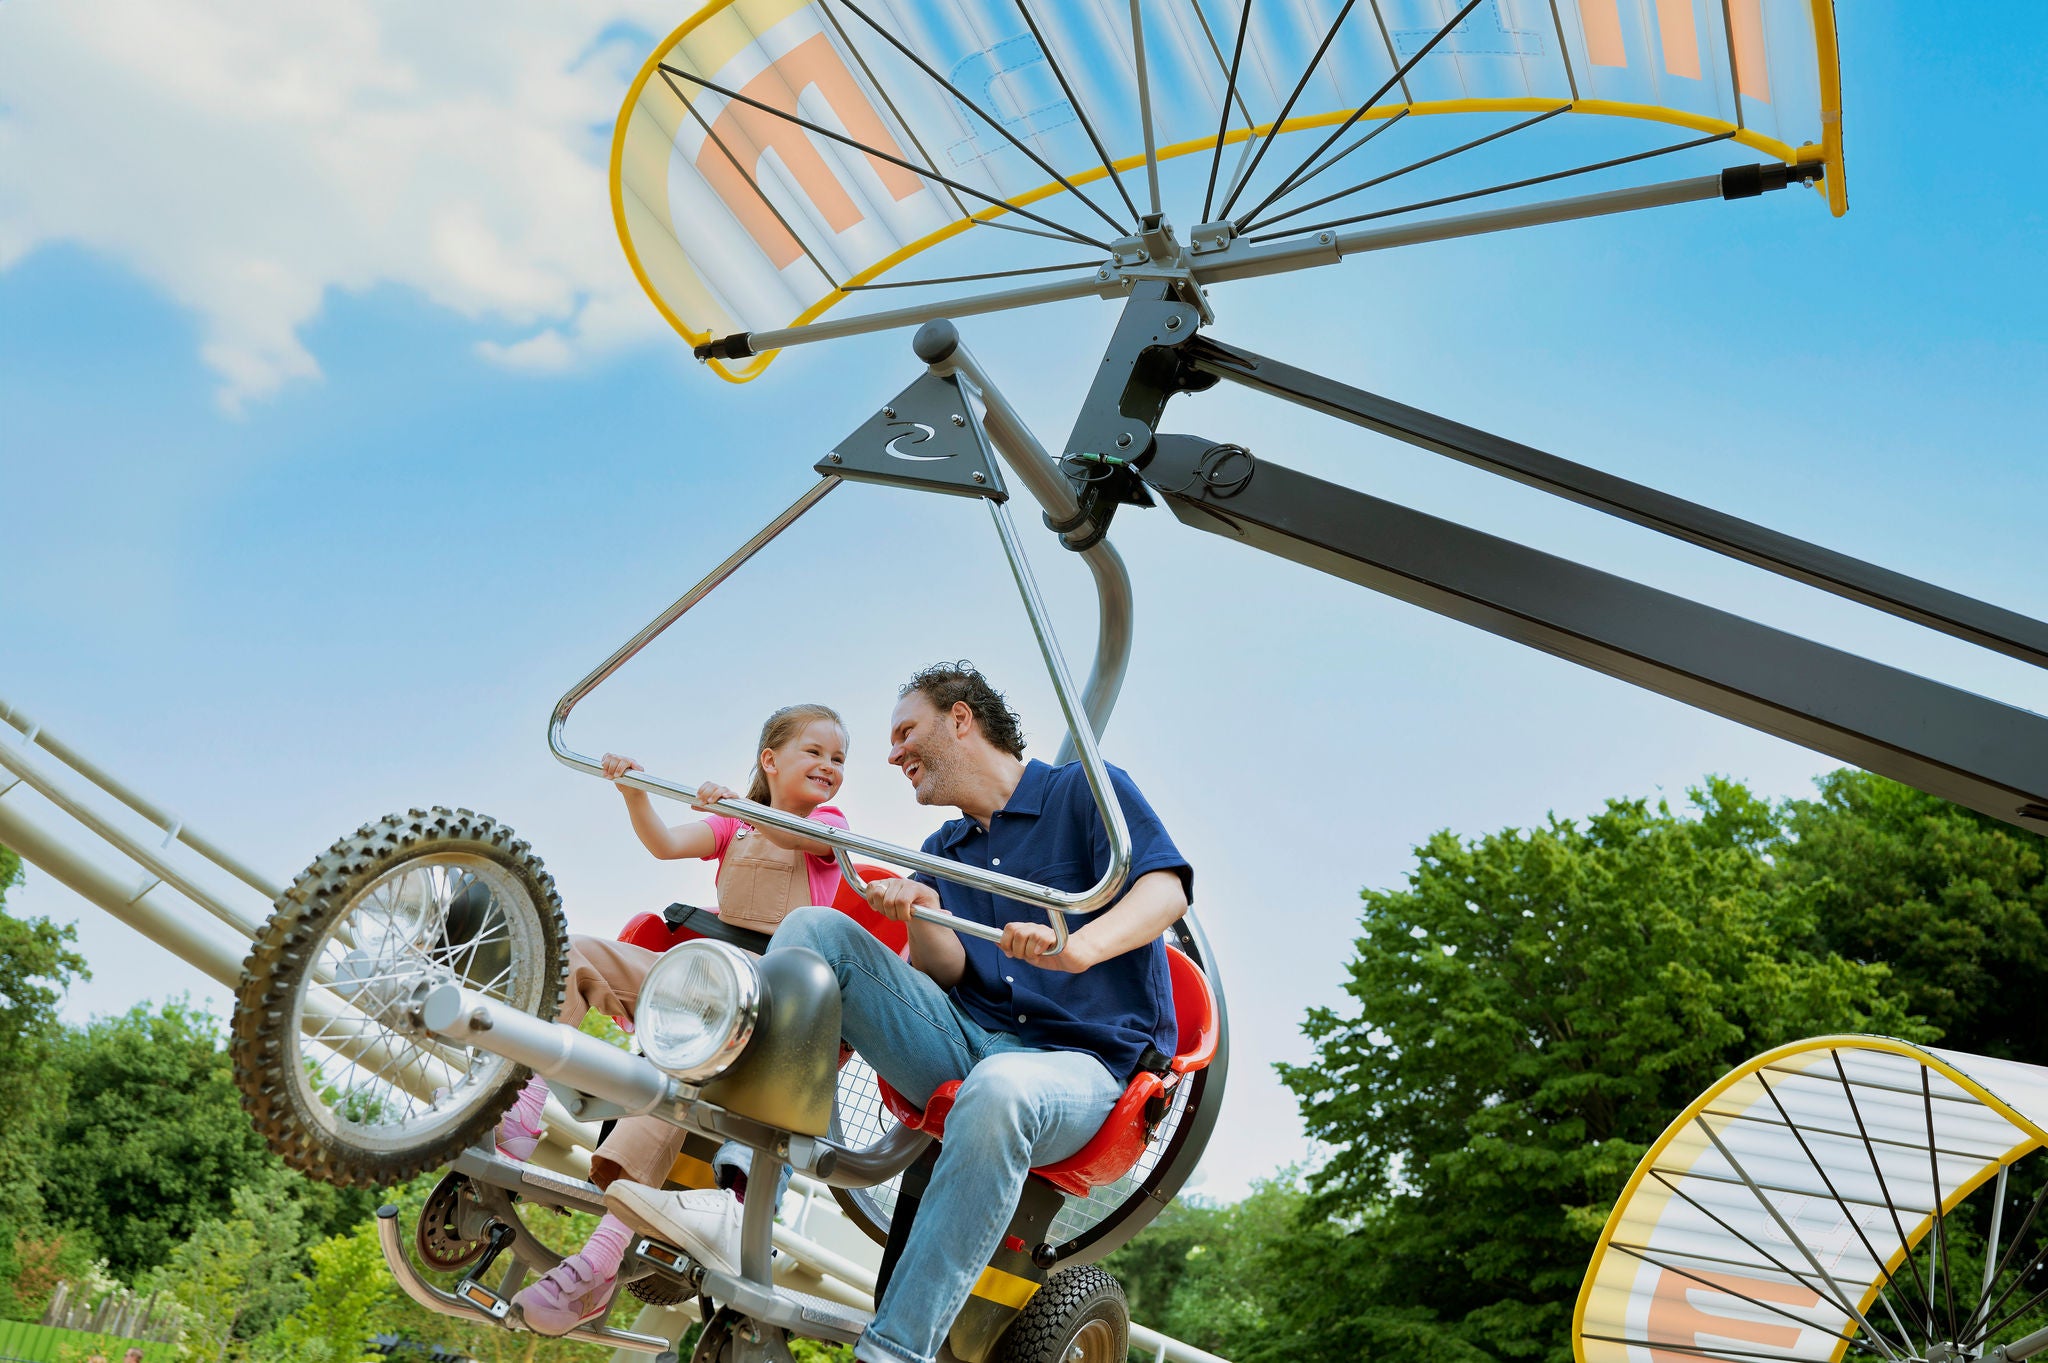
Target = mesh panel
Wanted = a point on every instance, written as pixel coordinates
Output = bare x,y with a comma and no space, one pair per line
1080,1215
859,1120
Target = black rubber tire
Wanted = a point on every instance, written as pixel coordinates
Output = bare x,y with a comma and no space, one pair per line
263,1045
1072,1300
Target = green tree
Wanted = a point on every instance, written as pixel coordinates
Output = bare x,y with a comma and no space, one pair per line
348,1296
1530,1010
154,1141
37,964
1220,1277
236,1276
1955,902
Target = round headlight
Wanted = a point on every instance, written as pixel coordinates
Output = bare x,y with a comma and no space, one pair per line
697,1008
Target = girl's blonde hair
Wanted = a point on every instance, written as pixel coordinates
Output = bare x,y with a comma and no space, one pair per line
780,728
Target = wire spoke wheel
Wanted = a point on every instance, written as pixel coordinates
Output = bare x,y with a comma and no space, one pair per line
1838,1199
339,1092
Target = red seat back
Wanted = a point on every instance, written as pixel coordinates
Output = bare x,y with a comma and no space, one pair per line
887,931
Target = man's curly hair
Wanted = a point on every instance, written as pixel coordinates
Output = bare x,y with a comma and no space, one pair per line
948,684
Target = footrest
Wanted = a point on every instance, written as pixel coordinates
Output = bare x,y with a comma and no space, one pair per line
483,1299
798,1312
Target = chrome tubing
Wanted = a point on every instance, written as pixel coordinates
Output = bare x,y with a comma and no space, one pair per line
628,650
442,1303
552,1051
1040,473
629,1081
878,1163
1056,903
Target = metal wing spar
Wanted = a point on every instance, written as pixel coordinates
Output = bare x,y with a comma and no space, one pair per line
1816,1205
776,157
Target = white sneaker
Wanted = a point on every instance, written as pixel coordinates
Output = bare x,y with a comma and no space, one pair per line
704,1222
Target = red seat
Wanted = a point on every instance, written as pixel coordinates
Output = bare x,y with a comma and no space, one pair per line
1125,1133
651,930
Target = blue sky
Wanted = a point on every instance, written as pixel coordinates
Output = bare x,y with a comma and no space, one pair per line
289,603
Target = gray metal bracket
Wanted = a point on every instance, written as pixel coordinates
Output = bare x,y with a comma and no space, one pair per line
927,437
1141,368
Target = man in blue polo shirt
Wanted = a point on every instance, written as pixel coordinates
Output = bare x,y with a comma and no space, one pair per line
1044,1045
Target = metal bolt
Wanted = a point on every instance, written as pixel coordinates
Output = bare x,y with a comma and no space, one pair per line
889,411
480,1019
981,477
1322,238
1123,442
959,420
1102,273
1173,323
832,458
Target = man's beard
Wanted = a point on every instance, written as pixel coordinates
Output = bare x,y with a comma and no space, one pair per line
937,786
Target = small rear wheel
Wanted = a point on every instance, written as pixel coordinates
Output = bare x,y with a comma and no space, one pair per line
1079,1316
338,1093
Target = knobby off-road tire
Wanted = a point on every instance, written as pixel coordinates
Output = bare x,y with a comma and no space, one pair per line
359,1105
1078,1308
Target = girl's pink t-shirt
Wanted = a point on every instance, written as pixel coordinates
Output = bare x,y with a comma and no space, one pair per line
824,871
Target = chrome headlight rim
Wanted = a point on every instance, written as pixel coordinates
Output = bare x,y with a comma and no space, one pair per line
746,1014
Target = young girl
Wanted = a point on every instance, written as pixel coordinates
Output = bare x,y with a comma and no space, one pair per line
763,873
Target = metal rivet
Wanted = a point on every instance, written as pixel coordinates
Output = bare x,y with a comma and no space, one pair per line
1323,238
889,411
959,420
1102,273
832,458
480,1019
1123,442
981,478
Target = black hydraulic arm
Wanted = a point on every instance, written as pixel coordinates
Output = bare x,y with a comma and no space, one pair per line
1936,607
1963,747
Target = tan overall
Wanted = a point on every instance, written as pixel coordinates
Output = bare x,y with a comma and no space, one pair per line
758,884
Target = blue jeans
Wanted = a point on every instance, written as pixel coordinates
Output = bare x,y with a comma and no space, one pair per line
1017,1108
733,1155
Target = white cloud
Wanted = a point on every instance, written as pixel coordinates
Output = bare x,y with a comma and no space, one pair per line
247,158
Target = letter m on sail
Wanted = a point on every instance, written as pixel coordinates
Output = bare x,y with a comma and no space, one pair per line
743,136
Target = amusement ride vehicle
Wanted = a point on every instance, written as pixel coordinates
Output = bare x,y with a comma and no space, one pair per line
775,166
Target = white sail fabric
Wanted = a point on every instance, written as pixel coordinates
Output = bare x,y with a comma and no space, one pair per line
738,218
1765,1221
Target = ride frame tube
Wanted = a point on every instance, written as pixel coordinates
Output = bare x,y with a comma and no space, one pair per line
938,344
1243,261
1056,903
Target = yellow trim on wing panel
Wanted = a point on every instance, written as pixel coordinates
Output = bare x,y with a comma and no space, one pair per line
1831,152
1682,1123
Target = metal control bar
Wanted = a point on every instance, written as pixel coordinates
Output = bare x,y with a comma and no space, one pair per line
1056,903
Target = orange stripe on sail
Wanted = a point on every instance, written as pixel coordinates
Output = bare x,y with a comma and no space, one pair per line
1680,38
1602,22
1752,69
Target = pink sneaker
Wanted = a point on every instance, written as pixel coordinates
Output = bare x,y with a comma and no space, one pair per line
568,1295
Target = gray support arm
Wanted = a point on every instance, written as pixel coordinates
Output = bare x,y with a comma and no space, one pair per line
1962,747
938,344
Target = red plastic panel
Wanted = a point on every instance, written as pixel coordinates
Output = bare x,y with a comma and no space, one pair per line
652,932
1194,1013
